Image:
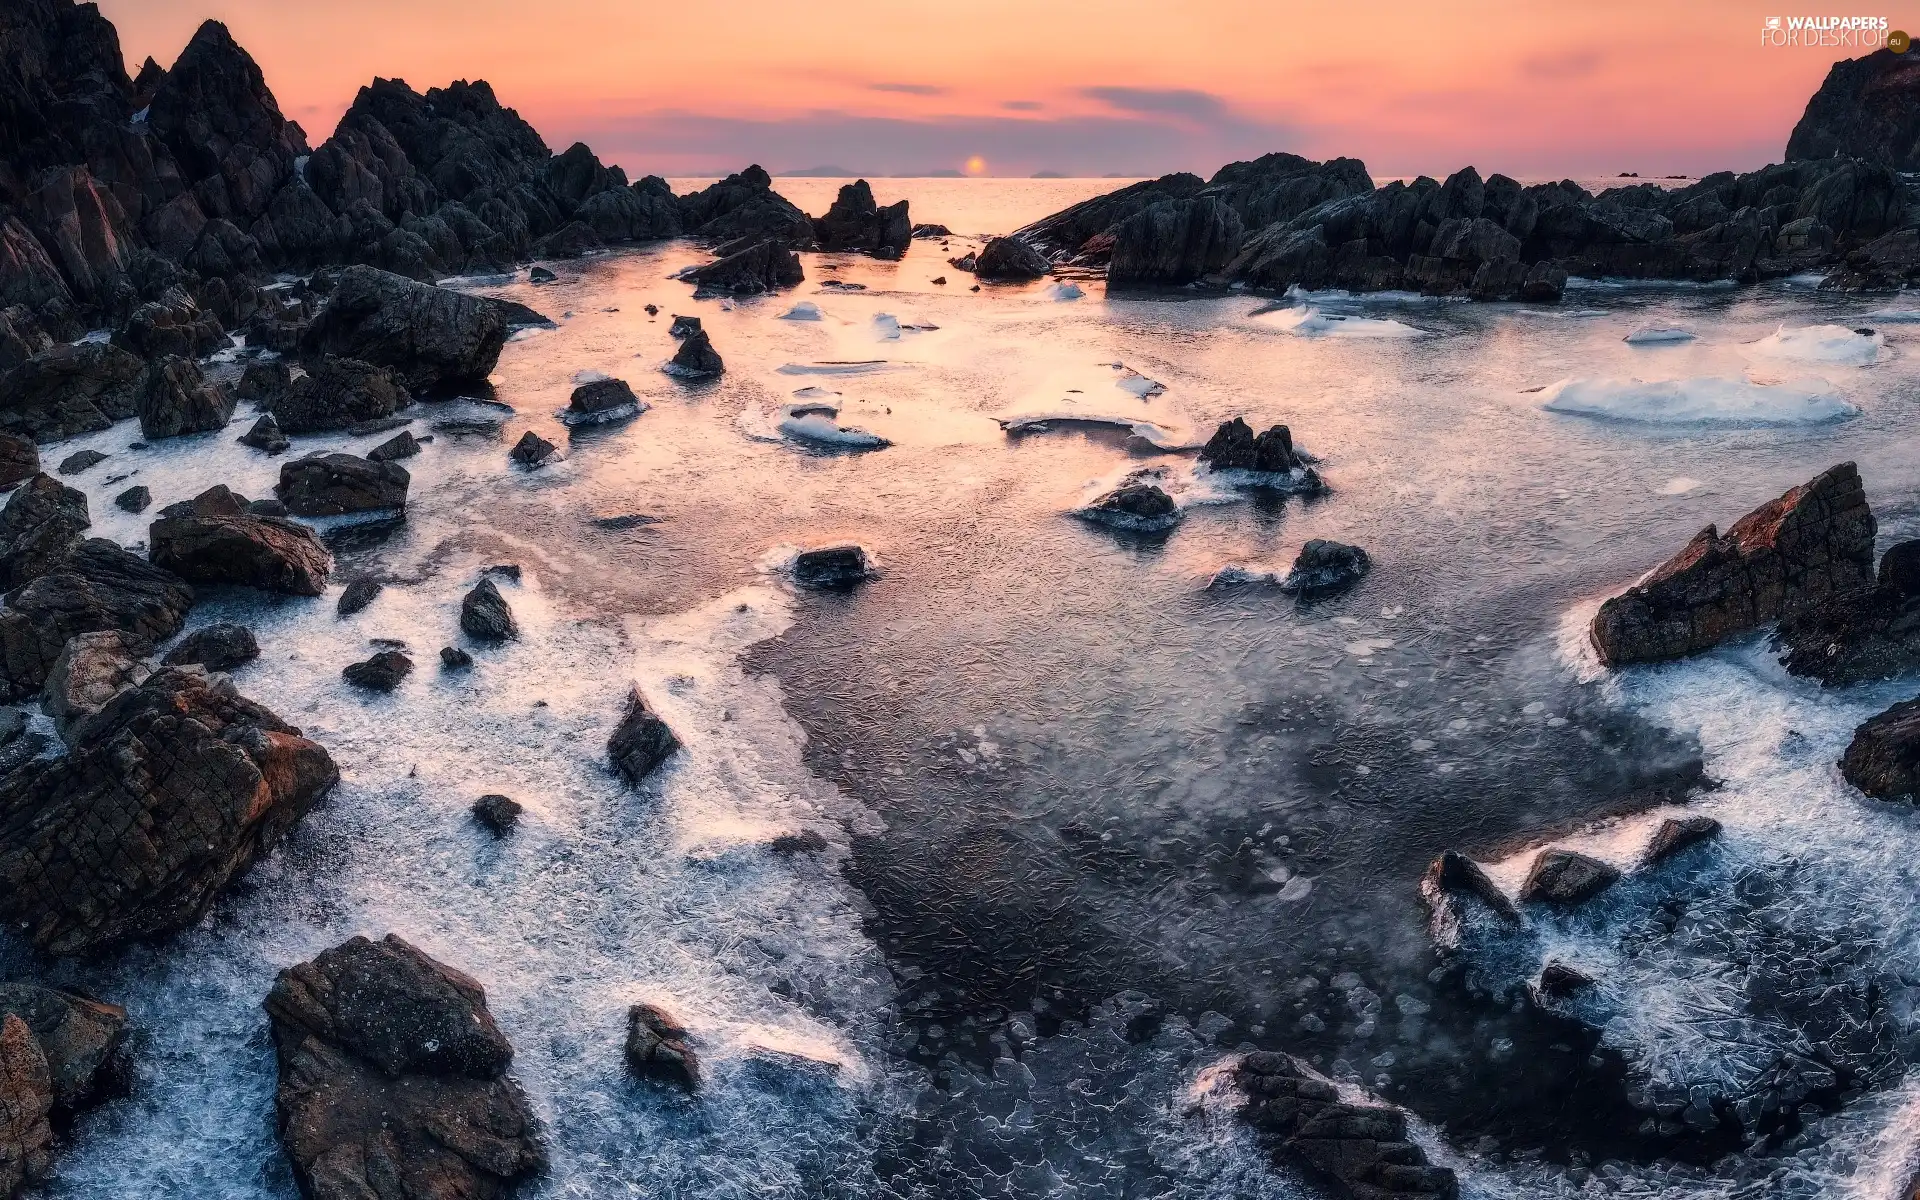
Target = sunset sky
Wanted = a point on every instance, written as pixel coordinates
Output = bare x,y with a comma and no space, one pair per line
1134,87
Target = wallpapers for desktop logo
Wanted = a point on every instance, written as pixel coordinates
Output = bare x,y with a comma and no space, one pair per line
1833,32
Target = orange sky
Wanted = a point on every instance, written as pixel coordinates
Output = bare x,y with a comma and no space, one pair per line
1078,86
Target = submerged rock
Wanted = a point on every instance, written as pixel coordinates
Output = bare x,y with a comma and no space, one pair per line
81,460
381,673
1561,876
832,566
1883,759
213,538
338,393
641,742
176,398
1559,981
1136,505
1323,566
657,1048
498,813
697,356
485,616
329,485
427,335
218,647
532,450
1809,545
167,793
600,401
393,1079
39,527
99,586
1009,258
1363,1149
266,435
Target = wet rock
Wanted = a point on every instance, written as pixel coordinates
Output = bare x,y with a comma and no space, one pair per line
600,401
1809,545
268,507
19,460
338,393
1883,759
485,616
218,647
21,335
1559,981
381,673
1324,566
400,445
83,1041
40,525
1009,258
832,566
1136,505
1566,877
541,275
393,1079
90,671
1174,242
683,326
765,267
931,231
498,813
1084,231
1454,874
532,450
641,742
1676,834
172,327
427,335
657,1048
328,485
136,499
1363,1150
67,390
1871,633
1234,446
26,1099
166,795
697,356
856,222
807,841
263,383
214,539
575,239
360,592
176,398
452,658
266,435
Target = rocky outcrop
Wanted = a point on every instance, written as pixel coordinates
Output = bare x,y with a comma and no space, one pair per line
1324,566
832,566
657,1048
1451,879
1175,242
428,336
26,1099
90,671
331,485
336,393
166,795
856,222
39,527
67,390
1811,544
1235,447
1083,233
1871,633
176,398
1867,108
83,1041
172,325
485,615
393,1079
1883,759
215,538
218,647
697,356
266,434
1560,876
745,205
1137,505
601,401
532,450
1010,258
1361,1151
98,586
641,741
1676,834
763,267
19,460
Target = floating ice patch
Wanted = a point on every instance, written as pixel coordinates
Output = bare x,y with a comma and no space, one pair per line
805,310
859,367
1698,400
886,327
1308,321
811,425
1659,335
1067,290
1159,437
1821,344
585,377
1134,383
1679,485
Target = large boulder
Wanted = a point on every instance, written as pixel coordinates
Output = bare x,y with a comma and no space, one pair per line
1010,258
641,741
1560,876
1872,633
393,1080
330,485
1867,107
177,398
1809,545
68,390
39,527
1174,242
26,1100
1363,1150
19,460
856,222
221,646
83,1041
99,586
1883,759
764,267
427,335
166,795
214,538
336,393
171,325
745,205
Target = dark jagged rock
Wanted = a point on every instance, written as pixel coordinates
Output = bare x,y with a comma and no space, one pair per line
83,1041
263,383
1234,446
212,109
331,485
173,326
1324,566
80,461
1070,231
168,793
1566,877
42,523
213,538
67,390
400,445
541,275
176,398
856,222
485,616
381,673
641,742
532,450
218,647
601,401
393,1079
136,499
1813,543
1883,759
452,658
697,356
337,393
360,591
19,460
1676,834
1559,981
1009,258
575,239
21,336
763,267
1363,1151
427,335
1454,874
832,566
1137,505
683,326
1871,633
266,435
1867,107
807,841
657,1048
498,813
744,205
929,230
1174,242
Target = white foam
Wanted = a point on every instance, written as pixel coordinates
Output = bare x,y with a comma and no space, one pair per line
1158,436
886,327
1067,290
1835,344
1893,316
823,430
1308,321
1659,335
1698,400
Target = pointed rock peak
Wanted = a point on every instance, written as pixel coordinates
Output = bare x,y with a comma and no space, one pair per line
757,176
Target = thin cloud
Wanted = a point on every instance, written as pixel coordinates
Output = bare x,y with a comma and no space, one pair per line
1186,103
909,89
1567,64
1021,105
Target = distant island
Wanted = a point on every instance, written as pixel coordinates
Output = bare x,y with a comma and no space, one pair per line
827,172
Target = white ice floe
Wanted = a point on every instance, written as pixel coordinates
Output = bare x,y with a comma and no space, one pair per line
1160,437
582,378
1308,321
1065,290
823,430
1679,485
860,367
1659,335
1132,381
1820,344
1698,400
805,310
886,327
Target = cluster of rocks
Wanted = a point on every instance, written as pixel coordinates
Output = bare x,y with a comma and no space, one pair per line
1362,1151
59,1054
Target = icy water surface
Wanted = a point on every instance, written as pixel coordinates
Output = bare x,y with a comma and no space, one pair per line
1091,825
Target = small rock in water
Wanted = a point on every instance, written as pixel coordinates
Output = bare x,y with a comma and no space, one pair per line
683,326
360,592
484,614
657,1048
1677,833
641,742
532,450
940,280
219,647
541,275
1563,876
400,445
1454,872
498,813
602,400
1136,505
625,521
653,310
1233,446
381,673
73,464
832,566
806,841
1558,980
135,499
504,570
1324,566
697,356
266,435
452,658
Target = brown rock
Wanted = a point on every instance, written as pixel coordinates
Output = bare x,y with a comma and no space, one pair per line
81,1039
329,485
26,1097
19,460
641,742
39,527
1363,1151
99,586
1883,760
1676,834
657,1048
214,539
1566,877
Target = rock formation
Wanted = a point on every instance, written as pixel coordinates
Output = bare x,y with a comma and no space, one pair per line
427,335
856,222
331,485
216,538
98,586
336,393
1883,759
641,742
485,616
1362,1150
1870,633
1867,108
